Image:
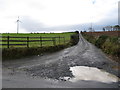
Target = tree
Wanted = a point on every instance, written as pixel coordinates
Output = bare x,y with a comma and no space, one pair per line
104,29
116,28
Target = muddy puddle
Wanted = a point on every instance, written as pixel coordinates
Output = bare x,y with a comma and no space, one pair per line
91,74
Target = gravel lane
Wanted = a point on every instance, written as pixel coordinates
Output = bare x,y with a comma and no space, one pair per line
55,66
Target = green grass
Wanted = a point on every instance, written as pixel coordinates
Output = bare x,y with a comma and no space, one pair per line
71,38
37,44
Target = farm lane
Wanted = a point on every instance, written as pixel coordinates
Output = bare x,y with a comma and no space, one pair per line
50,70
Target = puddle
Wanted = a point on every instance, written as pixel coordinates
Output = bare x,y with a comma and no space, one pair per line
91,74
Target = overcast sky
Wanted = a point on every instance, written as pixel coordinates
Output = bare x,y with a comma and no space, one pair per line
56,15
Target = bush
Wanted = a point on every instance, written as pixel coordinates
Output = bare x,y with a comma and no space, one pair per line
77,32
15,53
114,40
100,41
89,38
74,38
110,45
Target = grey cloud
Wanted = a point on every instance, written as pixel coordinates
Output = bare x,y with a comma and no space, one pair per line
110,19
31,25
34,26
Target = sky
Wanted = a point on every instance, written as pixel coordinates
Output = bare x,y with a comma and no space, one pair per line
56,15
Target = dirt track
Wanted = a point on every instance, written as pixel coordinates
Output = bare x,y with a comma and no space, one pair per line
45,71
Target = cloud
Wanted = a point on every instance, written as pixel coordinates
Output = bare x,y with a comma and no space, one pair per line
111,18
119,13
52,15
31,25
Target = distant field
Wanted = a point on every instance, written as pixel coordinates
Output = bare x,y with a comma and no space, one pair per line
66,39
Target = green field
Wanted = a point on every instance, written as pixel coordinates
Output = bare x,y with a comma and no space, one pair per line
37,44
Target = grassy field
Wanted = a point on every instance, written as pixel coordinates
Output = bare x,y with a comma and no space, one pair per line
37,44
17,52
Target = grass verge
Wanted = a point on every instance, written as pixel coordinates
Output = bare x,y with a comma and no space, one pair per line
109,44
15,53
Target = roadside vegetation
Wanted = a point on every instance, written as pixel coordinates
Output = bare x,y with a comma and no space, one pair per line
71,38
109,44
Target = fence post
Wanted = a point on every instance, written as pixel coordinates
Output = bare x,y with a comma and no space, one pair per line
59,39
27,42
41,41
54,41
8,41
64,40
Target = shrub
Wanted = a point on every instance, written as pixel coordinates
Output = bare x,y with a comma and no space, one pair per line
89,38
14,53
100,41
77,32
74,38
114,40
111,47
